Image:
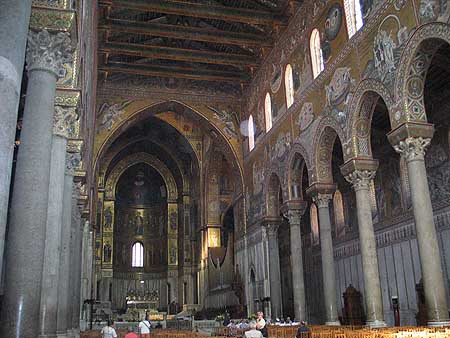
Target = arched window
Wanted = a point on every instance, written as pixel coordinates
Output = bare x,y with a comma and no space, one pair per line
353,16
268,112
289,84
316,53
251,133
137,255
339,219
314,223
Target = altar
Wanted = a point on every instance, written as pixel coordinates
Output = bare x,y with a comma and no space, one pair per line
140,306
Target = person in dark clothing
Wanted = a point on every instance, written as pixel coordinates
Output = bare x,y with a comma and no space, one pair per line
226,319
303,330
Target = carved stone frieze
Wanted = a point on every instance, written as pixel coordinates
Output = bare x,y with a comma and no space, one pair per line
64,121
48,51
413,148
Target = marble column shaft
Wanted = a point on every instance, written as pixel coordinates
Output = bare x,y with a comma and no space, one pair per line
326,249
64,261
72,253
360,180
87,260
274,271
298,283
413,150
50,273
14,14
26,237
76,307
62,121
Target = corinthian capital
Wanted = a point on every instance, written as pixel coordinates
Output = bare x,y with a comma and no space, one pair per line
47,51
413,148
360,179
322,200
64,121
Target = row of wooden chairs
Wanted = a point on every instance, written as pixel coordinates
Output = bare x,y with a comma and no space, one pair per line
359,332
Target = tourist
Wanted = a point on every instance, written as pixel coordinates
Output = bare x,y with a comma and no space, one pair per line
253,332
261,324
131,333
144,328
108,331
303,330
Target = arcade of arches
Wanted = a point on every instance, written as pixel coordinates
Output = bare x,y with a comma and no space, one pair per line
182,157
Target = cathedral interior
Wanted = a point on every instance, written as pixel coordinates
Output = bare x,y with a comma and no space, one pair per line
179,158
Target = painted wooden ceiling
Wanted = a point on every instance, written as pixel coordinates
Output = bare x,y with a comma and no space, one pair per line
219,42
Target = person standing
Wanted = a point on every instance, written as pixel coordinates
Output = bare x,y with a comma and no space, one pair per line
302,331
144,328
108,331
261,324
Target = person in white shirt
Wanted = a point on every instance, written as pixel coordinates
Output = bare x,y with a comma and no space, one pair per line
261,324
253,332
108,331
144,328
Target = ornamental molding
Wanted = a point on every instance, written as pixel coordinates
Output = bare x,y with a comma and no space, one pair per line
360,179
413,148
48,52
64,121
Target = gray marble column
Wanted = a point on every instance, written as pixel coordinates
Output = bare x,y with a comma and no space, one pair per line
274,270
46,54
64,260
87,261
322,202
360,180
413,150
63,120
294,211
14,15
76,307
72,260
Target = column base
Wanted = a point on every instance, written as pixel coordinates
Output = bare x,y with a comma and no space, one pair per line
438,323
53,335
333,323
376,324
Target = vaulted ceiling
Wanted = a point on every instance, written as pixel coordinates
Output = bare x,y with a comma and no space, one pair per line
209,41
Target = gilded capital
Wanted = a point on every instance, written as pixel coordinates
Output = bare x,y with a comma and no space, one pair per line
322,200
48,51
413,148
64,121
360,179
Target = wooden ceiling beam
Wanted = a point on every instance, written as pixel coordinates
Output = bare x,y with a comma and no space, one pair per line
197,10
176,72
188,33
178,54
